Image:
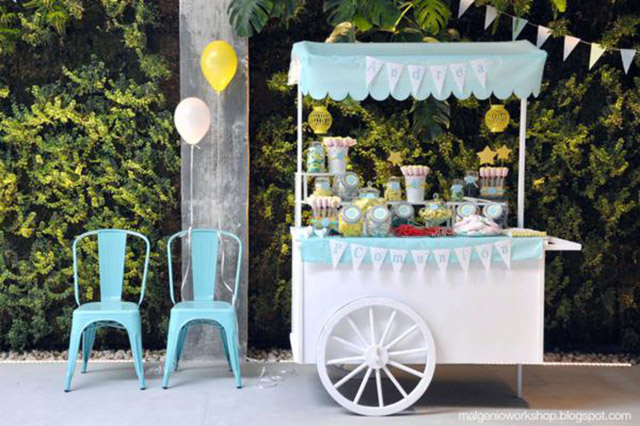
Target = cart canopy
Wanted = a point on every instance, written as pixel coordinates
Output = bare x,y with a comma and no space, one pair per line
420,70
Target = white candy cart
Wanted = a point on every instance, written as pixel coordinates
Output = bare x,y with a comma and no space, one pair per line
376,314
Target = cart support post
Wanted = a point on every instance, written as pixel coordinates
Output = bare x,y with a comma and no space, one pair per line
298,205
519,380
521,160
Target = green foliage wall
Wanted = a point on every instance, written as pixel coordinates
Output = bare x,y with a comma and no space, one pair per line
582,170
86,142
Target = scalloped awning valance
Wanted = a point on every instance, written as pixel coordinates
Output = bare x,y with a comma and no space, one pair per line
420,70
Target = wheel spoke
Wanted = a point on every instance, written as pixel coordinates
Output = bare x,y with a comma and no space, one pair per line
357,331
348,344
348,377
363,384
394,381
379,387
388,327
402,336
405,368
408,352
373,331
345,360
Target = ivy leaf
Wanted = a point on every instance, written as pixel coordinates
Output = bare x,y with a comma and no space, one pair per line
431,118
431,15
339,11
342,33
249,16
561,5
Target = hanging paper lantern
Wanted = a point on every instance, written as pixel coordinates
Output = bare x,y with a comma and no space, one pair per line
497,118
320,120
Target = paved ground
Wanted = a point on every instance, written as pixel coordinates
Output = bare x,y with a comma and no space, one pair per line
31,394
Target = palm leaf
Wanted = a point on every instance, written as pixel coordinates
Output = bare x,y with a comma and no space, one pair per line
339,11
249,16
342,33
383,13
431,118
431,15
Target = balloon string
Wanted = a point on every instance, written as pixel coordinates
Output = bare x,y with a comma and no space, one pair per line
186,273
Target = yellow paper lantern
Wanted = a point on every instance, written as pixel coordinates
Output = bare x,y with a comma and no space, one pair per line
320,120
497,118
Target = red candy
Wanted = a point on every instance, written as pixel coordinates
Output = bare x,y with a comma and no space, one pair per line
414,231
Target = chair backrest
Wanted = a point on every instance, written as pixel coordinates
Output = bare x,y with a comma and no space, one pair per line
204,245
112,245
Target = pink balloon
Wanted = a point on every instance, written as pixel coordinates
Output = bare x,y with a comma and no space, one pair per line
192,119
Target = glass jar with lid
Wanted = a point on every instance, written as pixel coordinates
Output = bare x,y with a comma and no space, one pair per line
456,192
393,190
471,188
350,221
402,214
368,197
316,158
346,186
435,212
322,187
378,222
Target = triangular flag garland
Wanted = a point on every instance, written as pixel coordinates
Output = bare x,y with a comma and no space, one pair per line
337,249
438,74
517,26
394,72
373,67
442,258
490,16
420,258
481,67
459,71
570,43
627,56
416,74
484,253
543,35
464,257
397,258
358,253
504,250
464,5
378,255
596,52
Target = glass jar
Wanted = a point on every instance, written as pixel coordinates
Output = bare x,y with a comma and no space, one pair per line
350,221
378,222
315,158
471,188
346,186
401,214
368,197
322,187
457,190
393,190
435,212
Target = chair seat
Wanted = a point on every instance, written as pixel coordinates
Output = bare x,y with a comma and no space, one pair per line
205,306
115,307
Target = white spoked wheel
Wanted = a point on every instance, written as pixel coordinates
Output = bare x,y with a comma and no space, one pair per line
376,339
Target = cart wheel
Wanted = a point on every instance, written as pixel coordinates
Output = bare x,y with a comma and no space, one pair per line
375,337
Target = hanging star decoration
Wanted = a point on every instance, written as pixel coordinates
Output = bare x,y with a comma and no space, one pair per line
486,155
395,158
503,152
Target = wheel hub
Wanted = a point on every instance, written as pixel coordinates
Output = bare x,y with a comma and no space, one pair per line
376,356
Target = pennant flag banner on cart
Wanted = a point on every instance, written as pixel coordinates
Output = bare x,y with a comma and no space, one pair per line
458,71
595,54
420,258
442,258
517,26
464,5
416,74
543,35
358,253
490,16
394,72
337,248
438,74
504,249
377,257
627,56
373,68
464,257
397,259
570,43
484,253
480,67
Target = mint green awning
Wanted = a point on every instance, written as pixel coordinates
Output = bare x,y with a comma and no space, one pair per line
338,70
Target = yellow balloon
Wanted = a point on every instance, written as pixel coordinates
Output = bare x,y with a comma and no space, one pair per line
219,64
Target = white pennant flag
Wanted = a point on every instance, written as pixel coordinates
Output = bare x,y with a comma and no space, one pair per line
504,249
377,257
373,67
490,16
394,71
484,253
596,51
358,253
627,56
337,248
464,257
517,26
464,5
397,258
459,71
543,35
481,67
420,258
442,258
570,43
438,74
416,74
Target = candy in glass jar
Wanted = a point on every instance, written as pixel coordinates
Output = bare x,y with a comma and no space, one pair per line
315,158
435,212
402,214
350,221
378,222
322,187
368,197
393,190
471,184
346,186
457,190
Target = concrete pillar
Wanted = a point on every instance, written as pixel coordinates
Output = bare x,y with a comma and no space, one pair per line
221,164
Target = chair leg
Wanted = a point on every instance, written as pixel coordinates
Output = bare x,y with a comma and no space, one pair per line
223,336
74,346
135,339
172,346
88,337
231,332
181,338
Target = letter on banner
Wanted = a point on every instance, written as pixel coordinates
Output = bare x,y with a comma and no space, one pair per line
416,74
484,253
438,74
442,258
627,56
464,257
397,258
459,71
596,52
373,67
358,253
570,43
377,257
504,249
420,258
490,16
543,35
481,67
394,72
337,248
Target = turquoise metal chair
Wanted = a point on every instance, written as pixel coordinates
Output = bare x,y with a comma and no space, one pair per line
111,311
203,309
